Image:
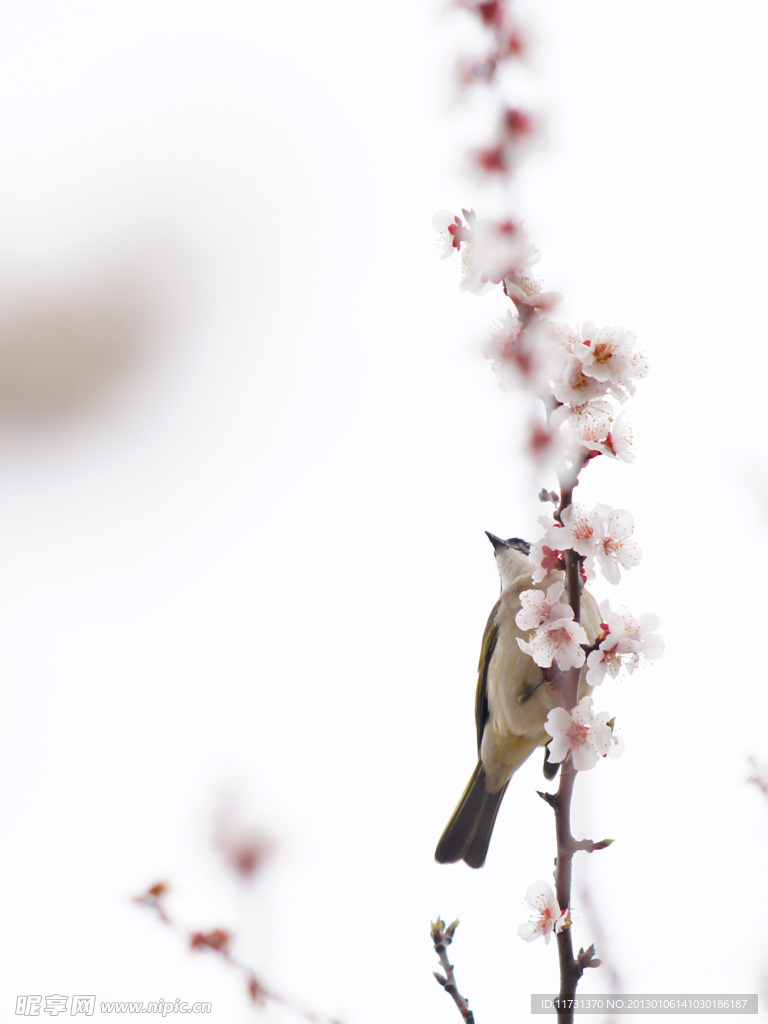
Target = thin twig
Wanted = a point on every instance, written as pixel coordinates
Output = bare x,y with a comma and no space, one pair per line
759,776
218,941
588,846
442,937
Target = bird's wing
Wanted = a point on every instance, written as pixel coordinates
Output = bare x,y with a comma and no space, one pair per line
490,637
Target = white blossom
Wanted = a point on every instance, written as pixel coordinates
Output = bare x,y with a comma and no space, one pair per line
498,249
636,636
563,335
616,547
524,357
450,230
626,640
618,443
582,734
581,530
601,661
526,291
593,426
608,354
548,917
539,607
576,387
592,420
603,361
474,277
545,557
558,641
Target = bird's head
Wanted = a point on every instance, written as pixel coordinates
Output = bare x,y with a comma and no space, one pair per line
511,557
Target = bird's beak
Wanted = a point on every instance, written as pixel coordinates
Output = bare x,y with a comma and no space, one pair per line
496,541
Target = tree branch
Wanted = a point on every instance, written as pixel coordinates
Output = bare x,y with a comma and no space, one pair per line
571,968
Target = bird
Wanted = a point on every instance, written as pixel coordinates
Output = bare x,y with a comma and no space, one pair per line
511,706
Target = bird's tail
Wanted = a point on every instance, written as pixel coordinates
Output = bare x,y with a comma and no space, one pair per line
468,833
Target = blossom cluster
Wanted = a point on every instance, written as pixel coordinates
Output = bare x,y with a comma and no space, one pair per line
554,634
602,536
584,374
506,41
623,641
493,252
555,638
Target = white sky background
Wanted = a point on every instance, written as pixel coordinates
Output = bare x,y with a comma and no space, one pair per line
255,563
